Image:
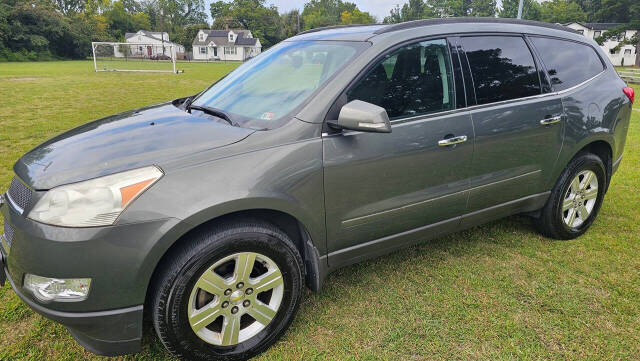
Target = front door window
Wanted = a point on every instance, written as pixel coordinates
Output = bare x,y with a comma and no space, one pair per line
413,80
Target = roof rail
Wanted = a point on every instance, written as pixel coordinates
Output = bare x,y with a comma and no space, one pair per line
334,27
436,21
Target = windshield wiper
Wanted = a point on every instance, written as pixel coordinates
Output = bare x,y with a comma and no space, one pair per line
213,111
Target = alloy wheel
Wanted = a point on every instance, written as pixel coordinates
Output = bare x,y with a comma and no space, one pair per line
580,199
235,298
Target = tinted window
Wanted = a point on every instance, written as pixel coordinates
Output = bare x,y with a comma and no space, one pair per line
413,80
502,68
568,63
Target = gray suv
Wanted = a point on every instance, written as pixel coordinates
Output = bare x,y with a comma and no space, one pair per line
212,212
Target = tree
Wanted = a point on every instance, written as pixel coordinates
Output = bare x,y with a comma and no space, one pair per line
626,12
413,10
318,13
186,35
481,8
120,21
530,9
561,11
254,15
68,7
292,23
590,7
356,17
456,8
36,30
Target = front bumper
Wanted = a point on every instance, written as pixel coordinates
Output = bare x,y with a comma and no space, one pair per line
107,333
119,259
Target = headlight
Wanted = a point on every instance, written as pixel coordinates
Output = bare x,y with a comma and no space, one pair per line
96,202
54,289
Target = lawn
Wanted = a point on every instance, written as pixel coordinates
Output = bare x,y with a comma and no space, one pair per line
499,291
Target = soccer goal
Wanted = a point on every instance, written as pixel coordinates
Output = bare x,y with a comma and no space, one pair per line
136,57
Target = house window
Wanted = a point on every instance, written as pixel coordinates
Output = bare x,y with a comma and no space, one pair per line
203,50
581,32
596,34
230,37
201,37
612,51
627,51
230,50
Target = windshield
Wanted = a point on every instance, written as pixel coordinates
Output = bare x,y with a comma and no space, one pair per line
262,91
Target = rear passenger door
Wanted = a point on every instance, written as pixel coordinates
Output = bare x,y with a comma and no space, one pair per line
518,122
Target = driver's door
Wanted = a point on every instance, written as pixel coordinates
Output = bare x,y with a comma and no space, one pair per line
383,191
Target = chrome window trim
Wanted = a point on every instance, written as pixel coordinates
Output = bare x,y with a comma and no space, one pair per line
478,106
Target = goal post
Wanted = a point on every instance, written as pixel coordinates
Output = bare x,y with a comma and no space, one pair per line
136,57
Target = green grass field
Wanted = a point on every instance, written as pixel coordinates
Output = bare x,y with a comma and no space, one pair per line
498,292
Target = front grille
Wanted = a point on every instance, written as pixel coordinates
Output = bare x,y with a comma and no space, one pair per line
19,193
8,233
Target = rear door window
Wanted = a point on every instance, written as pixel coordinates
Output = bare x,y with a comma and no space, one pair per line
413,80
502,68
568,63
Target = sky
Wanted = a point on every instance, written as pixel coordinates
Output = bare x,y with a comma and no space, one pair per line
377,8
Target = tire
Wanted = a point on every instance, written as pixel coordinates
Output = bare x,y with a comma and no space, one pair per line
555,219
179,295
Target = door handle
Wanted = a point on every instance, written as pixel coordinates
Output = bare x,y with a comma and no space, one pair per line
552,120
451,141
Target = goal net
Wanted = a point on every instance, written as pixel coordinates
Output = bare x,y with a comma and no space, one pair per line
136,57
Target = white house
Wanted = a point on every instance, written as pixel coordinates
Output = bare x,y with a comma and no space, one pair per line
626,55
235,44
146,44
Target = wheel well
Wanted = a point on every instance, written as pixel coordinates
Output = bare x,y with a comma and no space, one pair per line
284,221
603,150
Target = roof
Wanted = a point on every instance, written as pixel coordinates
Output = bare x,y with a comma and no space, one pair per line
597,26
364,32
221,37
241,40
150,34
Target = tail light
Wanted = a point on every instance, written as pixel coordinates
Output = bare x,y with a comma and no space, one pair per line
628,91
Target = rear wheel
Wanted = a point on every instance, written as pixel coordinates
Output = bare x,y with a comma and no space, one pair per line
229,294
575,200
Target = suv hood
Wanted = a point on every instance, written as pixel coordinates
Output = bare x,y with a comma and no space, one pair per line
133,139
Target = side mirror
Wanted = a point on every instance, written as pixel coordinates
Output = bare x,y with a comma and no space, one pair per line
364,117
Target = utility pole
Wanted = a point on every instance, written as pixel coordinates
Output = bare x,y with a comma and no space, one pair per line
520,9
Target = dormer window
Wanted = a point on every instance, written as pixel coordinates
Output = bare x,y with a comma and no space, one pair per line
201,36
230,36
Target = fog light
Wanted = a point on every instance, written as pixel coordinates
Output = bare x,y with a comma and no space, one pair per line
54,289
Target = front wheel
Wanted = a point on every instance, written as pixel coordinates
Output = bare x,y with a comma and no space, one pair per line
575,200
229,293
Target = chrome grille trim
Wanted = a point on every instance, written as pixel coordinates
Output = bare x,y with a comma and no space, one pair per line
19,195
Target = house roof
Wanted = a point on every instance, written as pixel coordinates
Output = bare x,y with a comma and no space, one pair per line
150,34
221,38
241,40
597,26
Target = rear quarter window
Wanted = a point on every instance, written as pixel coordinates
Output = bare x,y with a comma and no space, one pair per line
568,63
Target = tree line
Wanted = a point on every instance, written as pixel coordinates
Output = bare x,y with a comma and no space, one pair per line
64,29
